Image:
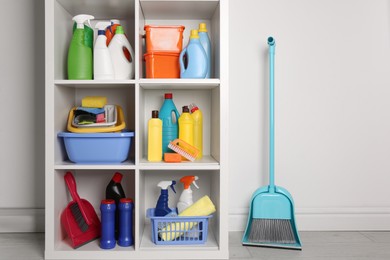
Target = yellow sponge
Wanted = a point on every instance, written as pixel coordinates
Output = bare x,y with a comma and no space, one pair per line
202,207
94,101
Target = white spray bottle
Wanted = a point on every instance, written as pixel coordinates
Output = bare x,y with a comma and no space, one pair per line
185,199
102,64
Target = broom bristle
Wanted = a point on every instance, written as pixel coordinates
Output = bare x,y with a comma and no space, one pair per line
78,216
272,231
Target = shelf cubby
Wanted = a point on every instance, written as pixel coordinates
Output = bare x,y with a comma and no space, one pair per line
188,14
91,186
65,10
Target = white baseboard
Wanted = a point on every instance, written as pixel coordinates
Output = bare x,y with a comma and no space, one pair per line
308,219
22,220
326,219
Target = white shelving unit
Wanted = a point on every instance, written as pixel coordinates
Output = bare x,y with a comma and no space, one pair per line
138,97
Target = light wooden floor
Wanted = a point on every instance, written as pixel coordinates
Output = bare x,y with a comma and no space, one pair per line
316,246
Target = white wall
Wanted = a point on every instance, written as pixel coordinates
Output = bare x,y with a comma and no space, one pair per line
332,111
22,92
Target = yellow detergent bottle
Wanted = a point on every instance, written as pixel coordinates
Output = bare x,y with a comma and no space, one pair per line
186,126
155,138
198,128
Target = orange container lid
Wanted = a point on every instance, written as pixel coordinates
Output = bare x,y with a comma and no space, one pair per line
148,27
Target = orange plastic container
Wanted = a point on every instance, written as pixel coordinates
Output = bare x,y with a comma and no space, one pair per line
163,38
162,65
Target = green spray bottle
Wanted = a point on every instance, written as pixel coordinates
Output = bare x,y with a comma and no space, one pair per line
88,33
80,58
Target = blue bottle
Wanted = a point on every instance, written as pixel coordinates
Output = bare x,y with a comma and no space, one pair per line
206,43
125,208
162,208
170,129
196,59
107,209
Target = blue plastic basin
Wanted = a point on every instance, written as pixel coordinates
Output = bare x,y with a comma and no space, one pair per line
97,148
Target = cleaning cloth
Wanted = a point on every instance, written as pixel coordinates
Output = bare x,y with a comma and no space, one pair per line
203,207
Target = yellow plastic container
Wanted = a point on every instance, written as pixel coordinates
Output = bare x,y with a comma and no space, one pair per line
186,126
197,115
155,138
119,126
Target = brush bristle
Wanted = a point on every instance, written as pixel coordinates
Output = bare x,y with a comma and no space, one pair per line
78,216
272,231
181,152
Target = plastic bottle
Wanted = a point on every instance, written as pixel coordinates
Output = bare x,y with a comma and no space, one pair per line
162,208
107,209
114,191
169,116
102,64
185,199
197,115
80,54
186,126
88,33
155,138
206,43
110,31
196,59
123,68
125,208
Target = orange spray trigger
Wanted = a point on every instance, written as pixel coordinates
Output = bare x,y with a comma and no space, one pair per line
188,180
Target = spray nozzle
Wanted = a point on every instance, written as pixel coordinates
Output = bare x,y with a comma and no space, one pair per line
188,180
101,26
81,19
165,184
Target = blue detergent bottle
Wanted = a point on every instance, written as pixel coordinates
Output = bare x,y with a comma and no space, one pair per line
162,208
206,43
196,59
169,116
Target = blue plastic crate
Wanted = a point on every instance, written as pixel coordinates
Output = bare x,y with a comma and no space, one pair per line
97,148
181,232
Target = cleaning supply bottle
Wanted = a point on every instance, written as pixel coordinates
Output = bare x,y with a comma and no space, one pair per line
185,199
206,43
107,209
186,126
169,116
123,67
197,115
196,59
162,208
114,191
88,33
155,138
125,208
80,54
110,31
102,64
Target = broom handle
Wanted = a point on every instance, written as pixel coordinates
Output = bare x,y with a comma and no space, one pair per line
271,43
